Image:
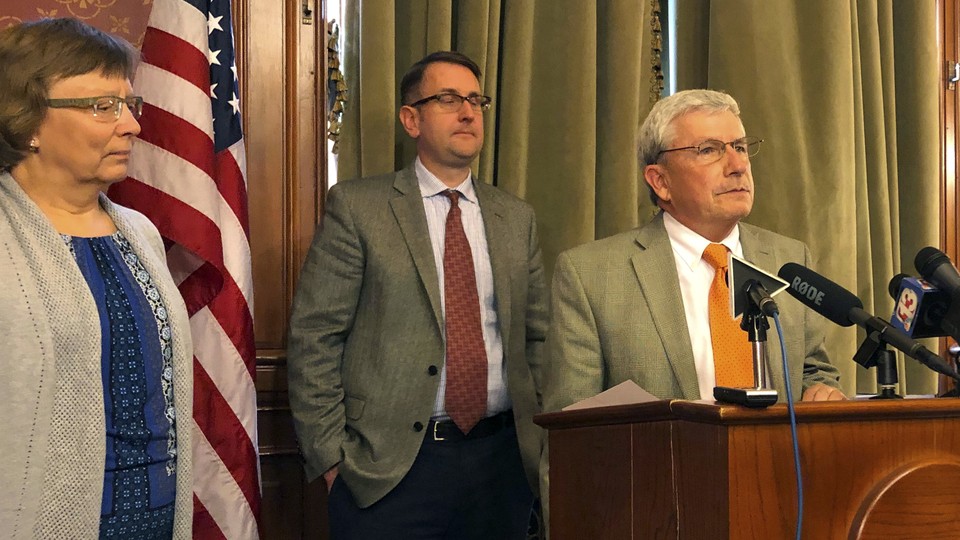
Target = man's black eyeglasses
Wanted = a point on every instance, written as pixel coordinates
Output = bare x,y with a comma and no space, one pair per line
452,102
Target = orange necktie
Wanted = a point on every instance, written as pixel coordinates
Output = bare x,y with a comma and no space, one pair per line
732,356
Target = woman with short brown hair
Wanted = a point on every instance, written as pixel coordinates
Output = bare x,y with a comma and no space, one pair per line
97,360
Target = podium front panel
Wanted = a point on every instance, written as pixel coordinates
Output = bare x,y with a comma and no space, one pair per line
723,472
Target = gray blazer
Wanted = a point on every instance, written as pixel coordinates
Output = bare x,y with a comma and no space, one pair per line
617,314
366,327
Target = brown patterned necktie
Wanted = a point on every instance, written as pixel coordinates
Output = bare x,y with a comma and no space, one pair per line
466,390
732,356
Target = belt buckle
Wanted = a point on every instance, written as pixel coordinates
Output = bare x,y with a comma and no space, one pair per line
436,436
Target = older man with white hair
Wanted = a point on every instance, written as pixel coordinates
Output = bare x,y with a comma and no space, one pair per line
650,305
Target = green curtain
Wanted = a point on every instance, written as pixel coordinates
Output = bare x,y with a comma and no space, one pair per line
845,94
570,81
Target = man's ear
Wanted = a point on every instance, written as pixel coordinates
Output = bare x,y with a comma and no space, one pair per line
655,176
410,119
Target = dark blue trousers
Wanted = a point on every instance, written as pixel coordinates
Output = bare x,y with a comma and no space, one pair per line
467,489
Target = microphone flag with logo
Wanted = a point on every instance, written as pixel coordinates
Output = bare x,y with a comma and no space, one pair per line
742,272
919,309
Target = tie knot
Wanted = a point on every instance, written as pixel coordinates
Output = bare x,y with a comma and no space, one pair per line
716,255
454,197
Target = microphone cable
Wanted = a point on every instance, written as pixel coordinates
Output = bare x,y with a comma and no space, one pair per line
793,425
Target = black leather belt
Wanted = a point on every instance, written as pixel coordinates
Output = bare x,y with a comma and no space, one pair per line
446,430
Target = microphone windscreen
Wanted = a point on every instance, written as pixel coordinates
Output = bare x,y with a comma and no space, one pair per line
894,286
928,259
820,294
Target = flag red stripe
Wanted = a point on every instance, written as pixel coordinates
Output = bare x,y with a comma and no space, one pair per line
177,136
176,220
233,188
223,430
229,305
201,287
233,314
204,526
228,308
170,53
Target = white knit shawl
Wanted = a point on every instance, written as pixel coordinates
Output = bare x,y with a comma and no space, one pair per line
52,428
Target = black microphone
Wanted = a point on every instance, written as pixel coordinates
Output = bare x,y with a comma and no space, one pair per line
844,308
894,286
935,267
920,308
820,294
760,297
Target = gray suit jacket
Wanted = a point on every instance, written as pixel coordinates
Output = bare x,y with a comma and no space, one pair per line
366,328
617,314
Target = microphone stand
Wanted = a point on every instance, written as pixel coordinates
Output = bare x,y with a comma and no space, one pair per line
754,322
954,352
873,352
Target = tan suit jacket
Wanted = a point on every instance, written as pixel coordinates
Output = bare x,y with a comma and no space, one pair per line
617,314
366,333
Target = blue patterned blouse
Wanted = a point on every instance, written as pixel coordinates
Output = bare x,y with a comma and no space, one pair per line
139,485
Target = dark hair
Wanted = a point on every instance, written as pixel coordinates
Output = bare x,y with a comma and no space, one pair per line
36,54
410,84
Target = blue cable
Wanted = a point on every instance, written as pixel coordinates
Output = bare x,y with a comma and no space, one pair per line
793,426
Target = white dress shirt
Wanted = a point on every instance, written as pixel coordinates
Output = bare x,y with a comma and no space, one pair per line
696,276
437,205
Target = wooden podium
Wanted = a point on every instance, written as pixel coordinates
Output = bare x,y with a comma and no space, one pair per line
698,470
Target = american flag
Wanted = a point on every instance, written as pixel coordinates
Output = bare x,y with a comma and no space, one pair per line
187,174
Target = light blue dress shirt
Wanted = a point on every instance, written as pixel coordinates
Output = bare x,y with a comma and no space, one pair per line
437,205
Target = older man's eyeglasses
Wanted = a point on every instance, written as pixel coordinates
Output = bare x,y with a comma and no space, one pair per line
712,150
452,102
103,108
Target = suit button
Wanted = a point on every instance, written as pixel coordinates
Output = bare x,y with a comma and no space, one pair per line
417,426
432,370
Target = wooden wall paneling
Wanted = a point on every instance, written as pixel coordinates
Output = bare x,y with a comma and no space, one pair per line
949,43
268,163
281,59
311,114
948,40
309,192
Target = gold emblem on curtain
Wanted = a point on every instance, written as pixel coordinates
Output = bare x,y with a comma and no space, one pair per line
336,85
656,45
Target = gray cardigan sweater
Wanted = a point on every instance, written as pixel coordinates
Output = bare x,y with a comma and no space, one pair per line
52,427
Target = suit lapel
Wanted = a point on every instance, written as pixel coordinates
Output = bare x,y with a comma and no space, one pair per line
657,272
407,207
755,252
762,256
498,234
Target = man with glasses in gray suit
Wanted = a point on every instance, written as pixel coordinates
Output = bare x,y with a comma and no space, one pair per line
416,333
